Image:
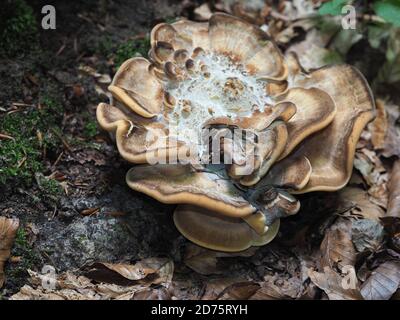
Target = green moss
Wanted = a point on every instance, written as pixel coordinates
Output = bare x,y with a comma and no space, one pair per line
332,57
105,46
19,31
20,238
17,272
49,186
31,131
133,48
171,20
90,129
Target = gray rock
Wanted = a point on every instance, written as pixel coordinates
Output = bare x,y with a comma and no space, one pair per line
145,229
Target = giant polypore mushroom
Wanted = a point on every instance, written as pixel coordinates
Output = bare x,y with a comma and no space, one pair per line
301,128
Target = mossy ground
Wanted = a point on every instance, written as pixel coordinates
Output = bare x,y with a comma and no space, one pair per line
54,159
18,29
27,259
32,132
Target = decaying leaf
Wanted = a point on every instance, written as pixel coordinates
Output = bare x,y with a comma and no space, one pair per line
370,166
229,288
279,287
362,205
105,281
201,260
383,282
392,139
203,12
379,126
205,261
8,231
146,271
239,291
68,286
312,52
214,287
269,292
393,209
334,285
337,249
367,234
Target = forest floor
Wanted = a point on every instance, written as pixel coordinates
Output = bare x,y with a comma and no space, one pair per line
82,233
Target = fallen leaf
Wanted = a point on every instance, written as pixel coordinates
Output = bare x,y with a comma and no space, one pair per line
203,12
379,126
201,260
239,291
214,287
311,51
337,249
383,282
146,271
367,235
151,294
332,283
68,286
205,261
279,286
392,139
362,205
300,9
370,166
267,292
393,209
392,227
90,211
8,231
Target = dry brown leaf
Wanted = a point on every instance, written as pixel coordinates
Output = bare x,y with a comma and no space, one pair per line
332,283
267,292
393,209
203,12
383,282
239,291
300,9
147,271
392,140
201,260
392,227
337,249
8,231
379,126
362,205
367,235
152,294
277,287
374,174
214,287
311,51
205,261
229,288
69,286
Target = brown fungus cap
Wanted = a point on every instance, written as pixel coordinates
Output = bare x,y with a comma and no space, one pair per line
181,184
213,231
306,126
331,151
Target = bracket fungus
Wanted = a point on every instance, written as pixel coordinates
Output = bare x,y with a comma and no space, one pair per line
224,125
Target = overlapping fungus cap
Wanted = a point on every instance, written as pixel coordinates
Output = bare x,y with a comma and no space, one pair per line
223,75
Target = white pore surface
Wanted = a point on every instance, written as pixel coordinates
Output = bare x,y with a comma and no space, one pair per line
207,94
